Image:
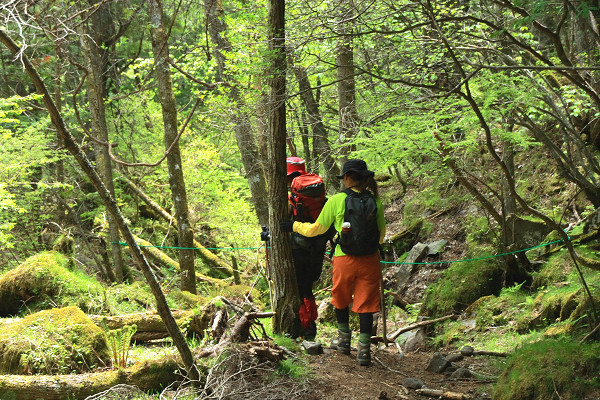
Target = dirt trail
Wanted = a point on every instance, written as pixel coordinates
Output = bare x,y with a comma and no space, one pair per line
338,376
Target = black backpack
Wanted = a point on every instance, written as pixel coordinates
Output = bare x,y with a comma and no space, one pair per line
362,237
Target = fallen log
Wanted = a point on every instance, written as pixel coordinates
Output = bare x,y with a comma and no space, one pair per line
164,259
489,353
394,335
207,256
151,327
148,377
440,394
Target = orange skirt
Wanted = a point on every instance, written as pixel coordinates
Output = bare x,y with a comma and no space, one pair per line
358,277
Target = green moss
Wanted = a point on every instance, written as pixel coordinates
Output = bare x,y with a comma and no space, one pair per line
557,269
461,285
186,300
548,369
127,299
61,340
48,280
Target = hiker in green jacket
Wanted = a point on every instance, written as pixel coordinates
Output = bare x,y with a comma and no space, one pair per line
356,271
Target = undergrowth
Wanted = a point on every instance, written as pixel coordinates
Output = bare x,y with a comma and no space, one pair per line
550,369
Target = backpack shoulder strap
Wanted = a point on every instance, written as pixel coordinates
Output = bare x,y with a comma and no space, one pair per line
348,191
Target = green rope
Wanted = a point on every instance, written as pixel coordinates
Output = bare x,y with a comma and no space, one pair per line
474,259
383,262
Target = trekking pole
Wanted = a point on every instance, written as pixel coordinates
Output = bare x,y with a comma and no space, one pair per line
383,313
382,301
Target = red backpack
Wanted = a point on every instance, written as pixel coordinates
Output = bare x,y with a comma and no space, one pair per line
307,197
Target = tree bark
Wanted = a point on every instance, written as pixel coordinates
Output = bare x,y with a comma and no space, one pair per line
160,48
281,269
322,150
111,205
348,116
95,91
244,133
206,255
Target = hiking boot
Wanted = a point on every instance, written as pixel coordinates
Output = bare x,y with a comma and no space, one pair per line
342,343
364,354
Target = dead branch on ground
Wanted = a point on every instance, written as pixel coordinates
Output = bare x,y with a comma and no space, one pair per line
394,335
440,394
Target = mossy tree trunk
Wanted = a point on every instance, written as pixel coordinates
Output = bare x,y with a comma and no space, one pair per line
320,142
348,115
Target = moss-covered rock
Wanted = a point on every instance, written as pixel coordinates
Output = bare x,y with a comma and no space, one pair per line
556,269
550,369
61,340
48,280
461,285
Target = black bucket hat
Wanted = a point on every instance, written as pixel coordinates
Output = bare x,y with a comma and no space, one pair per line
358,166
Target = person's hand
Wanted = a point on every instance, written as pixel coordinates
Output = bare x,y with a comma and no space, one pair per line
286,226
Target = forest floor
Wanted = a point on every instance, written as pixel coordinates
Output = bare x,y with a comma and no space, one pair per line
338,376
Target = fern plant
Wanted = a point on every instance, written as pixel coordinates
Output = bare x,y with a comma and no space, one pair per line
119,343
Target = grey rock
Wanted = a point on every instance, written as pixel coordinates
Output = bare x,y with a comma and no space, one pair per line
414,341
438,363
312,348
402,274
467,351
450,370
461,373
530,233
434,248
413,383
417,253
454,357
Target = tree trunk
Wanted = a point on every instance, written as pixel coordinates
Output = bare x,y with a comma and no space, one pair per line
111,205
348,116
206,255
95,90
321,144
281,269
244,134
160,48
